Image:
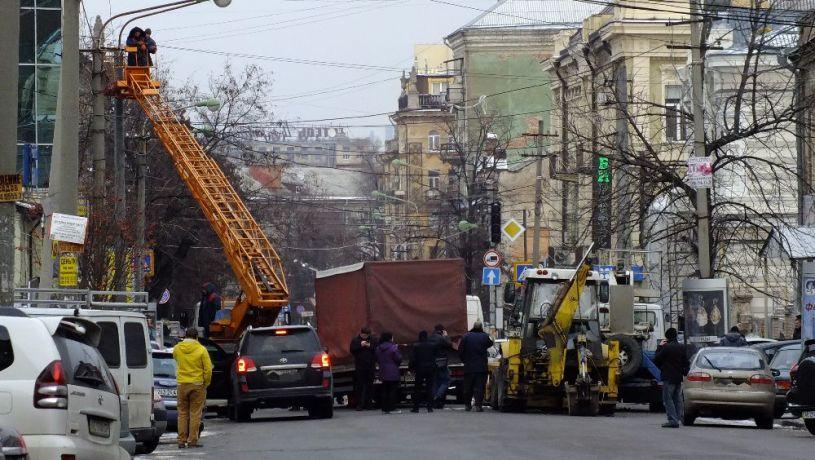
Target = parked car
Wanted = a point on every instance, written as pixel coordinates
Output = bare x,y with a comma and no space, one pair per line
757,340
770,348
801,397
218,391
126,439
780,366
281,367
12,445
159,426
731,383
62,396
125,345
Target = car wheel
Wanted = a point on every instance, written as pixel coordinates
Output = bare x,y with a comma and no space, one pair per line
321,409
242,412
147,447
810,424
765,422
779,412
688,418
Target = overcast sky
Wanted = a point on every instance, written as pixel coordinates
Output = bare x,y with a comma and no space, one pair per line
378,33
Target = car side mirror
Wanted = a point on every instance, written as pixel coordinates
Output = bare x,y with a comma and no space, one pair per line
776,372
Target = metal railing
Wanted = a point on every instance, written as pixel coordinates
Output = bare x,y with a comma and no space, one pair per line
80,298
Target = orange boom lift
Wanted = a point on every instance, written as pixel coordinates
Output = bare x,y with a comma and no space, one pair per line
251,255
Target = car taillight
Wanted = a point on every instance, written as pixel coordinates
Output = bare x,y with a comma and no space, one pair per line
244,365
321,361
699,377
51,388
783,384
115,384
758,379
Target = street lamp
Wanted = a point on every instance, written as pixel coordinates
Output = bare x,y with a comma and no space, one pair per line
383,196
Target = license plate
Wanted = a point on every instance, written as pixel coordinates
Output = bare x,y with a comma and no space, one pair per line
99,427
808,414
167,392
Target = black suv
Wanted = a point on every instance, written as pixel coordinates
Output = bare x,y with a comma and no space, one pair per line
281,367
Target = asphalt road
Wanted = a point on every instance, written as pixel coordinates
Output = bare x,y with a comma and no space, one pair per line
455,434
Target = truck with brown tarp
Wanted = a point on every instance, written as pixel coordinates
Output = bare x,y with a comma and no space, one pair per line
401,297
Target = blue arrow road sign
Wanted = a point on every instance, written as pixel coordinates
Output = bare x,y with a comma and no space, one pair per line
519,271
491,276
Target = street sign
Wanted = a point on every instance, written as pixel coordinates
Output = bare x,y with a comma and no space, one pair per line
65,227
519,270
11,187
491,276
493,258
512,229
68,270
700,172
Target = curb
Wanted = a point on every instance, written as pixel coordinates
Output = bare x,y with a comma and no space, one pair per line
793,422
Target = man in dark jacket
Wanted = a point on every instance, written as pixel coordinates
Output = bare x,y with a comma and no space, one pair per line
796,333
210,305
473,350
423,365
362,347
733,338
443,344
672,360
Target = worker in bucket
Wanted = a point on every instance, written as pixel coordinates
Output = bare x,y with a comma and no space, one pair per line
209,307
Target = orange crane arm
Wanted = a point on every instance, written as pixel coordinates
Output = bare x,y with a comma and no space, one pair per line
251,255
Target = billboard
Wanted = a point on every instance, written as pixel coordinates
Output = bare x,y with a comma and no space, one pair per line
808,308
706,308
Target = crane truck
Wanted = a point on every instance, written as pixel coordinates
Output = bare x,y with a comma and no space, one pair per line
254,261
555,356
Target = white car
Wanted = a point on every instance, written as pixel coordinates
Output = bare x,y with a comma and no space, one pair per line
55,388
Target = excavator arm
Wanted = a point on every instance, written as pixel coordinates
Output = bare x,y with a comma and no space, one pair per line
254,261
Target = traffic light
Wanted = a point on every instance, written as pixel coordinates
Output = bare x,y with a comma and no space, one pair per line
495,223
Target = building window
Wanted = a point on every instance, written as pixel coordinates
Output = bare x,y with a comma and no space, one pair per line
439,87
433,179
675,124
433,141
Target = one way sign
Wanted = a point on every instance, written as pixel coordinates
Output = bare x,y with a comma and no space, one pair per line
491,276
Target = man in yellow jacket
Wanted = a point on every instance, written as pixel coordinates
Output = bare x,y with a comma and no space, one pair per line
194,374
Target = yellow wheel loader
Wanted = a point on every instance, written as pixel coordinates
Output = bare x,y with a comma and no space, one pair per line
555,357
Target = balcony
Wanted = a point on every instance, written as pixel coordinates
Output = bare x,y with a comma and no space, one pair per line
432,101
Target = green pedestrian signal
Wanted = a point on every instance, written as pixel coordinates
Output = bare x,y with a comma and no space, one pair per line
603,170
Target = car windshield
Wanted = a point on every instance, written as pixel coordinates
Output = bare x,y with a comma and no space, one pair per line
785,358
544,294
730,360
274,343
163,366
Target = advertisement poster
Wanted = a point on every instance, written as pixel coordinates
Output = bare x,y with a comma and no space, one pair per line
808,309
705,309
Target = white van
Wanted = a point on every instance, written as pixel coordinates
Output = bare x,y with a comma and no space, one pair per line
125,344
56,389
474,311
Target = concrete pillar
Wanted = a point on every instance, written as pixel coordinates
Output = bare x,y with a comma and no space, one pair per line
9,62
64,175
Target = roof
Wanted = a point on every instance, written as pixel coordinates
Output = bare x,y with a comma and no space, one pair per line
533,14
794,242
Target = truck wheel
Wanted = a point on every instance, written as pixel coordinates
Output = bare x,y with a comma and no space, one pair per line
810,424
321,409
242,412
688,418
765,422
630,355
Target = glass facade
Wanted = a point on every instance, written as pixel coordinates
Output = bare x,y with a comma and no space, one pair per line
40,58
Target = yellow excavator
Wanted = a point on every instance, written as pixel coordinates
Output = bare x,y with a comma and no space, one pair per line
555,356
254,261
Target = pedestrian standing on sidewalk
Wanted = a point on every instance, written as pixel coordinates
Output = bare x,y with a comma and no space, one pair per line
444,345
362,347
423,365
193,375
389,359
673,363
473,350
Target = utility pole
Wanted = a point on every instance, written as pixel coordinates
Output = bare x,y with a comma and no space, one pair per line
9,62
141,168
63,189
536,245
698,26
98,120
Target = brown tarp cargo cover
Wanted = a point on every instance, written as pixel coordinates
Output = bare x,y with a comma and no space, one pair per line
400,297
